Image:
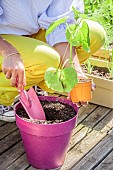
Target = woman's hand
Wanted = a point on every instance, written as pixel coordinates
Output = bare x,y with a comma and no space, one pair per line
13,68
12,65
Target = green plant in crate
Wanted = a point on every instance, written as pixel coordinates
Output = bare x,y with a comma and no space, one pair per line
88,66
110,68
63,79
111,56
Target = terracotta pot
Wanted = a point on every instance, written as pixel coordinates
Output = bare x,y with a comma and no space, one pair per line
82,91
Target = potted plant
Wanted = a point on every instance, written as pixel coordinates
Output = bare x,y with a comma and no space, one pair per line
46,142
104,83
82,91
64,79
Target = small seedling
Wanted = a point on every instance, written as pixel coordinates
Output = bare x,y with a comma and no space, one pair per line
110,68
63,79
111,55
88,66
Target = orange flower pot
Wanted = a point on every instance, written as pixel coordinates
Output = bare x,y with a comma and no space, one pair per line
82,91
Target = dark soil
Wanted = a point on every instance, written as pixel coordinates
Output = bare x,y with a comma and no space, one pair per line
99,72
55,112
84,80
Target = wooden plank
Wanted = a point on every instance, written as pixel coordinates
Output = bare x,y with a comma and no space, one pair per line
111,132
88,124
106,124
96,155
79,150
11,155
84,111
78,137
90,140
7,129
9,140
107,163
96,116
2,123
20,164
31,168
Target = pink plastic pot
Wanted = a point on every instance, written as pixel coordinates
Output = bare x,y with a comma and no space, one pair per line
46,144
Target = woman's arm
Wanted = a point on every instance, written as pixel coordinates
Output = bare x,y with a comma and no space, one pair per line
12,65
64,51
6,48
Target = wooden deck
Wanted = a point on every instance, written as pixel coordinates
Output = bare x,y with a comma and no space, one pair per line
91,144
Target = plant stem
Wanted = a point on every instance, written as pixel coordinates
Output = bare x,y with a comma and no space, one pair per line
61,65
70,60
65,63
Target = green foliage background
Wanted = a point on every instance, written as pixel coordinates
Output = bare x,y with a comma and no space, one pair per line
102,12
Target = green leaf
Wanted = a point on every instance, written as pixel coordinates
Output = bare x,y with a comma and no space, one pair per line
55,24
69,31
69,78
85,40
72,35
79,35
52,79
84,16
76,13
61,80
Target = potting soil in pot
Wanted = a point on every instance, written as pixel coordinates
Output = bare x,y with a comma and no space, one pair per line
55,112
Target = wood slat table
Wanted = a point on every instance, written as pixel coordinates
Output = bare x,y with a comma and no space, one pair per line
91,145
